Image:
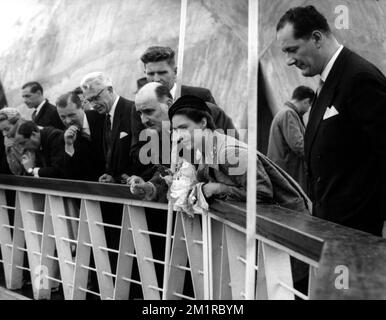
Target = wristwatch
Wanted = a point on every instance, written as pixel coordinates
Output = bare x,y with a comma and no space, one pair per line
30,171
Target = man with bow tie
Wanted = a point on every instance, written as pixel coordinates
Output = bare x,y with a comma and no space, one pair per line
84,158
345,139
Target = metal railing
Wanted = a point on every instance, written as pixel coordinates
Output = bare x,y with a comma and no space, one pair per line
66,235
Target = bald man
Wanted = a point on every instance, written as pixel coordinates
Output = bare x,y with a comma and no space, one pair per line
152,103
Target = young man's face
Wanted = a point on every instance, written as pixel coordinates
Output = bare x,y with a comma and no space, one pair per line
161,72
25,144
31,99
304,105
71,115
302,53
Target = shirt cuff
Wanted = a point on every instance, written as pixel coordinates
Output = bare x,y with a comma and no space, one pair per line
69,150
36,172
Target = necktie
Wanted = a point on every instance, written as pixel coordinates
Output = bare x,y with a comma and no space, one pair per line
108,127
34,115
107,134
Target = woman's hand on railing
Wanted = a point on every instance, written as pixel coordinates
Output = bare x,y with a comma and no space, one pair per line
210,189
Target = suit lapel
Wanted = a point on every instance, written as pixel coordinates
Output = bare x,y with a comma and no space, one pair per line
324,100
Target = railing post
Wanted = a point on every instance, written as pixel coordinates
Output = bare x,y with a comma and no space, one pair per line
180,67
253,36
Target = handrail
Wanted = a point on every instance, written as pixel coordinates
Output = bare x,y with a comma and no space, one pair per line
326,246
324,243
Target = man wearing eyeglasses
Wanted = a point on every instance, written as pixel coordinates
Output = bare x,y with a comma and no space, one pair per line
121,130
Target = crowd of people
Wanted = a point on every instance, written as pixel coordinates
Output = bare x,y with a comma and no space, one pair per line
94,134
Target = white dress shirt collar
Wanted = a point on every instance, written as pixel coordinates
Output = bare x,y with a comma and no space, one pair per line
86,126
112,111
173,91
40,106
330,64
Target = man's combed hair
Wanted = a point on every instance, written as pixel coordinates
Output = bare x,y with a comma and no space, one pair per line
157,54
62,101
305,20
26,129
34,86
303,92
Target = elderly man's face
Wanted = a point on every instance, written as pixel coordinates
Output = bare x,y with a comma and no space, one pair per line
71,115
161,72
101,100
302,53
153,113
31,99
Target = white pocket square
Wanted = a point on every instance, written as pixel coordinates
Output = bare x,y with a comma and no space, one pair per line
122,135
330,112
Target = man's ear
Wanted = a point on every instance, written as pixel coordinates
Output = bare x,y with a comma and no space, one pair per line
35,135
317,37
169,102
175,70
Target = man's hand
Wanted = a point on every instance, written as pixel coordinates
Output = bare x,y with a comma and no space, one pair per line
124,177
134,180
28,160
106,178
143,190
209,189
140,188
70,135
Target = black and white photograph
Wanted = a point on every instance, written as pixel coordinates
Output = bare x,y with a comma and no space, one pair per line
193,156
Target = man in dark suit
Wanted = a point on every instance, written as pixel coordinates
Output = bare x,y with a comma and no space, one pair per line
44,113
153,102
42,149
84,157
4,167
121,129
345,140
160,66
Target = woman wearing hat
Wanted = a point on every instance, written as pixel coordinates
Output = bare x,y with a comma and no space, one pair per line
221,160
